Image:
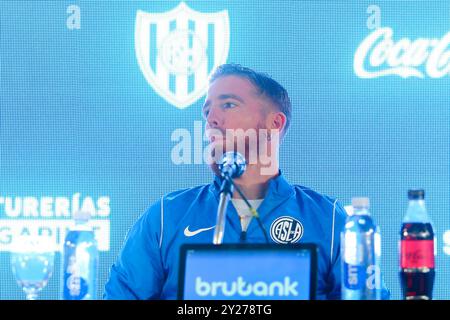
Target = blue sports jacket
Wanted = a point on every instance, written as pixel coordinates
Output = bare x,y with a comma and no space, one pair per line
147,266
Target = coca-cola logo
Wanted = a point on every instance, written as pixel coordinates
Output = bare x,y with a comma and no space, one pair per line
378,55
415,256
417,253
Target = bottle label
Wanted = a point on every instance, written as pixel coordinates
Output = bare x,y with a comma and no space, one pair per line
417,254
75,285
76,288
358,277
354,276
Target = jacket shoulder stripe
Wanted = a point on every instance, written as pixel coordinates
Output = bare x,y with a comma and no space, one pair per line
332,231
162,222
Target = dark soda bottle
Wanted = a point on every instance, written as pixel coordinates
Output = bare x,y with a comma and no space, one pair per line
417,250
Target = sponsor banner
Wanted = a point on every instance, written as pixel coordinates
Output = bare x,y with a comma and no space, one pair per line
56,230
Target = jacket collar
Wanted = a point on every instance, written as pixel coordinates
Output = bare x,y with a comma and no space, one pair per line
279,190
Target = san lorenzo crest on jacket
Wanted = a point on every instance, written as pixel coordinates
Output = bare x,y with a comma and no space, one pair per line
286,230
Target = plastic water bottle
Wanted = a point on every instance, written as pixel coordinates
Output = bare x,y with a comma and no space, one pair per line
80,260
417,250
360,255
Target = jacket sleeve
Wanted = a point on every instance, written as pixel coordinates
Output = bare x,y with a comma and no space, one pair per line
138,272
334,276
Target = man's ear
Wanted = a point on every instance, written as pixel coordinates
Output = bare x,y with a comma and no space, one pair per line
276,121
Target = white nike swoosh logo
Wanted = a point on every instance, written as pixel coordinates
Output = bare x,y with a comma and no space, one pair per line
189,233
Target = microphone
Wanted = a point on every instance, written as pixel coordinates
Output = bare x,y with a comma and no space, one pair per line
232,165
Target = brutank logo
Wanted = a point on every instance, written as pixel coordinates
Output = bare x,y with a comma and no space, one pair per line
286,230
241,288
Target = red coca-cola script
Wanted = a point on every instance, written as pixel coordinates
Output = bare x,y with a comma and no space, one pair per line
417,254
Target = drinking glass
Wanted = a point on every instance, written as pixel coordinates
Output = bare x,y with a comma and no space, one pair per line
32,263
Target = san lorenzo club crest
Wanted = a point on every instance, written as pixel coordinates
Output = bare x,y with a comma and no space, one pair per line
286,230
177,50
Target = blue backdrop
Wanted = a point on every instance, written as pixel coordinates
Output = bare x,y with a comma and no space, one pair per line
81,125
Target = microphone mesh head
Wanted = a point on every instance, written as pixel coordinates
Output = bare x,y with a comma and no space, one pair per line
232,164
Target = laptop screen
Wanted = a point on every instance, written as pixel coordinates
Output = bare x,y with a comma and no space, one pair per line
247,272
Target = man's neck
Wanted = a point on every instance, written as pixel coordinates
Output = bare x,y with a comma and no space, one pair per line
252,184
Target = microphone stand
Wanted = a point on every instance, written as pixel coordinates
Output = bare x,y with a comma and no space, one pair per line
226,191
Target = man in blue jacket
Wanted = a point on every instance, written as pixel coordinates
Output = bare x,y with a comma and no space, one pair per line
238,99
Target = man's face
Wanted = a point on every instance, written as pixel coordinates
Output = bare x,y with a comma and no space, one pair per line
233,103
